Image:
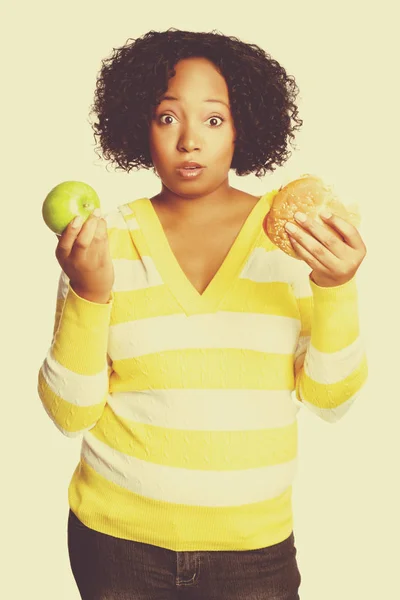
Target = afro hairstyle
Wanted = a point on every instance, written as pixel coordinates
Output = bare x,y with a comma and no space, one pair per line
134,77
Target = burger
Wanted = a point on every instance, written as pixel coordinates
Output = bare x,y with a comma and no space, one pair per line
307,194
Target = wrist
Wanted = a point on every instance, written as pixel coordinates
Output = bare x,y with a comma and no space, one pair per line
98,298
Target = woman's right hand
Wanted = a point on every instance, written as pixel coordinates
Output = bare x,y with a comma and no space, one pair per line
84,255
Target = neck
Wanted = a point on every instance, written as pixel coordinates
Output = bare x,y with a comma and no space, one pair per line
192,206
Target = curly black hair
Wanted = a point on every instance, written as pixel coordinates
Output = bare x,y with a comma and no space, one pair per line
134,78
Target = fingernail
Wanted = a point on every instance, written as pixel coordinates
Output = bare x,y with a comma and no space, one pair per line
299,216
325,213
77,222
291,227
97,212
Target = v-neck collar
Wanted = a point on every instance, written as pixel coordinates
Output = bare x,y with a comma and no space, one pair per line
170,270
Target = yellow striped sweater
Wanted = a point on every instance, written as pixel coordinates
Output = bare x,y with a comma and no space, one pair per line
187,403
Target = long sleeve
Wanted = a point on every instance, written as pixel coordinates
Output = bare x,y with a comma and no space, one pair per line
335,365
73,378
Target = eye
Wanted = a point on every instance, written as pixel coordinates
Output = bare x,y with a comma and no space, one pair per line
209,119
161,116
216,117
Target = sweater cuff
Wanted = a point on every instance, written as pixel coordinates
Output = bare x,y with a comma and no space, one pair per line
335,319
337,294
71,289
81,341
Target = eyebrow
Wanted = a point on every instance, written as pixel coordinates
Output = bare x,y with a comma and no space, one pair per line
208,100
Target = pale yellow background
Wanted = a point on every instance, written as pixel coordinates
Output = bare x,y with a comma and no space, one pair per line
344,56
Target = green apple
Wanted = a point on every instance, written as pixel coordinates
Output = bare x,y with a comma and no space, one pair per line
66,201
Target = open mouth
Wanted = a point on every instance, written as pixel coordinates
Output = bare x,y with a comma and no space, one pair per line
190,172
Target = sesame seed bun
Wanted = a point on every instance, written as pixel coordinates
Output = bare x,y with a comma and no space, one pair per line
307,194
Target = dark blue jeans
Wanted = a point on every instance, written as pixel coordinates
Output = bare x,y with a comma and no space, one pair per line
109,568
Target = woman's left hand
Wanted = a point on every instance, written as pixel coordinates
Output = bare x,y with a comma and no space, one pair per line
334,261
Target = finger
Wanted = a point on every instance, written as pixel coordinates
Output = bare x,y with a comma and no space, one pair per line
309,256
101,230
99,244
67,239
86,234
320,234
349,233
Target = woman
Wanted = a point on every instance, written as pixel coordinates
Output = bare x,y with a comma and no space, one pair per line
181,333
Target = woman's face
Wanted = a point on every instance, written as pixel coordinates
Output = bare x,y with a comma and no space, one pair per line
194,127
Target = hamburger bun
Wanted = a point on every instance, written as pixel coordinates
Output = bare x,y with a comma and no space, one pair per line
307,194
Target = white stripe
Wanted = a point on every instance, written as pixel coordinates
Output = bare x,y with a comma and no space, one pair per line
79,390
328,368
265,266
249,331
206,410
125,209
244,331
132,224
135,274
115,220
300,281
130,275
187,486
261,267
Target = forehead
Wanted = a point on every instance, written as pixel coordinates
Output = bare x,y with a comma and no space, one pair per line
197,78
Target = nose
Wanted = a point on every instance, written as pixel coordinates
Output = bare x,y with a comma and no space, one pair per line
189,140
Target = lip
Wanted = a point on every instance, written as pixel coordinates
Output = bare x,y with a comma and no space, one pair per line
189,163
190,173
